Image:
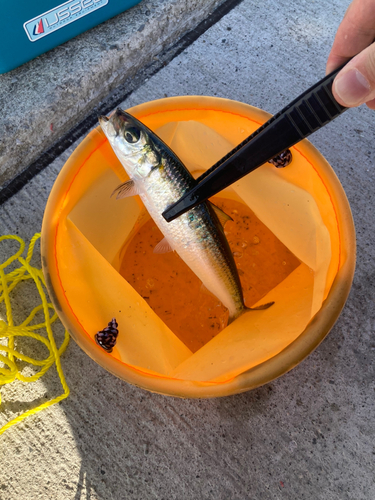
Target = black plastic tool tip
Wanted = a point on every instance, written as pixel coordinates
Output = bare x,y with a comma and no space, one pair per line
188,201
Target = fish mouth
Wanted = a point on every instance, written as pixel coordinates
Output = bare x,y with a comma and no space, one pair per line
103,120
119,119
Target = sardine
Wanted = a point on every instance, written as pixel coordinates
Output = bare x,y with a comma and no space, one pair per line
159,177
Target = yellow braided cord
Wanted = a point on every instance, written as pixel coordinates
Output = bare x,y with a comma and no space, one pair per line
9,372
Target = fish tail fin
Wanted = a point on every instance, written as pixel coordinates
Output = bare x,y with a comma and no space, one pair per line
262,307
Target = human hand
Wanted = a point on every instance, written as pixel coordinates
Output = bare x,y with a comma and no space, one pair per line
355,83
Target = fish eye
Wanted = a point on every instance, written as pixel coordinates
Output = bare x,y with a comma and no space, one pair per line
132,135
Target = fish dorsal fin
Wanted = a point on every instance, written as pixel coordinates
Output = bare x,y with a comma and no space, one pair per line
126,189
163,247
222,216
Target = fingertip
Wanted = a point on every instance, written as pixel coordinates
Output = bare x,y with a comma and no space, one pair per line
351,88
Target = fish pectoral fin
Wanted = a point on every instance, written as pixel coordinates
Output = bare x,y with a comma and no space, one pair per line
222,216
163,247
260,308
125,189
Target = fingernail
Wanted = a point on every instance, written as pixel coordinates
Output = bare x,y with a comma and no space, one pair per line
352,87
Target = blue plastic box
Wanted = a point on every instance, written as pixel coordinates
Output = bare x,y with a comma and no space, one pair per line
30,28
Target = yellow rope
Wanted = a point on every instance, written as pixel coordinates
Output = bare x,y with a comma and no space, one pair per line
9,372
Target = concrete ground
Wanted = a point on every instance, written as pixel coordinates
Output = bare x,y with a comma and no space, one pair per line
46,97
307,435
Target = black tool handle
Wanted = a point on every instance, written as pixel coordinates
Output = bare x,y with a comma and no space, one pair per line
310,111
307,113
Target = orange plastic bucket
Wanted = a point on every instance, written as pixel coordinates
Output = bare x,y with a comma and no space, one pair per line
84,232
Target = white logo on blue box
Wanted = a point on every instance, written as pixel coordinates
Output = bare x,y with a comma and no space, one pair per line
60,16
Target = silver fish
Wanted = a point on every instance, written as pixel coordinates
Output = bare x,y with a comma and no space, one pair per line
160,179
